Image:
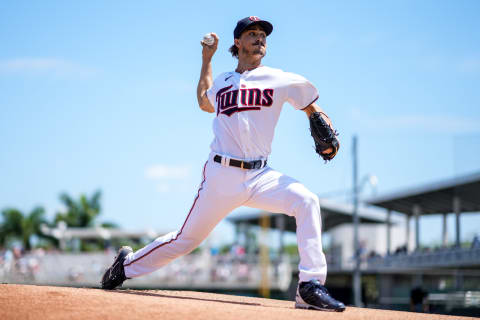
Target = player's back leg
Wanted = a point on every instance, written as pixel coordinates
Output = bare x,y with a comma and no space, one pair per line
220,191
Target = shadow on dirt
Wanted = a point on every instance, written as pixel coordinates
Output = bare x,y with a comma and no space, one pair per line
150,294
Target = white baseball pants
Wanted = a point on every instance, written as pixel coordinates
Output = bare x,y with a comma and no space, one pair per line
222,190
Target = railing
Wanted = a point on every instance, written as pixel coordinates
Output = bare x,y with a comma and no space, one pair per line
452,257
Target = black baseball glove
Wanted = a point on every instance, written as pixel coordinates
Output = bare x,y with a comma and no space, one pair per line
323,136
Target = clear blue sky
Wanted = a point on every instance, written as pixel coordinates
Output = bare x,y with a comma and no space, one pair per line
101,95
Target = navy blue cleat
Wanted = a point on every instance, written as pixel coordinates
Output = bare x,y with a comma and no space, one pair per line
312,295
115,275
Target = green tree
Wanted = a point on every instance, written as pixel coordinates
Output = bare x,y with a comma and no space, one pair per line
291,249
82,212
17,225
109,225
11,225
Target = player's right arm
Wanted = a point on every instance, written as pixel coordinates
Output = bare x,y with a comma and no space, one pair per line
206,79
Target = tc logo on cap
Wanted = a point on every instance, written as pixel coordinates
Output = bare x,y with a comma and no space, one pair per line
254,18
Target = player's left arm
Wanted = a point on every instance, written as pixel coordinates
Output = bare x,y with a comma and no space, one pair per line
312,108
316,108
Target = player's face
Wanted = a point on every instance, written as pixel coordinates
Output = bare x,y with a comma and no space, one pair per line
252,42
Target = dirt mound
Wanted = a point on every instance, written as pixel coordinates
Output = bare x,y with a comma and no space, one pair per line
41,302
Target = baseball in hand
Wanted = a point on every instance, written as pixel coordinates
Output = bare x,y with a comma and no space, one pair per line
208,39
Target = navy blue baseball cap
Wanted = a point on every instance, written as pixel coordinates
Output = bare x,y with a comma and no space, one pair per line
247,22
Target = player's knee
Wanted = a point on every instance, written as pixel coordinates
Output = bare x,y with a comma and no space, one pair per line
312,202
307,203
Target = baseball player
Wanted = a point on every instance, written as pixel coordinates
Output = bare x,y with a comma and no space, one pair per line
247,104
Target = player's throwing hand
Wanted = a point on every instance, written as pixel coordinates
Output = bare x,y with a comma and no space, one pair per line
209,50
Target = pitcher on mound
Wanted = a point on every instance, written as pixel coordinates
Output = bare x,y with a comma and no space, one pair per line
247,104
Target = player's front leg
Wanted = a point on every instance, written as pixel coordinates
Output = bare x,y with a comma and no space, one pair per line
276,192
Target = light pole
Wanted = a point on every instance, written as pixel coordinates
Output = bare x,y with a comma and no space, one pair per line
372,179
357,277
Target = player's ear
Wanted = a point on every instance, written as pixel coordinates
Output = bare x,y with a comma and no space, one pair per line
236,42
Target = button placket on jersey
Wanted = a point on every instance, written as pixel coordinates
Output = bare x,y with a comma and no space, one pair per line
246,133
243,125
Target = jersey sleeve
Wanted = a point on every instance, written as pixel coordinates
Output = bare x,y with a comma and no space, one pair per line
212,91
300,92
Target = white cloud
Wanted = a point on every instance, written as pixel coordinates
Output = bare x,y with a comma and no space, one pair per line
44,66
167,172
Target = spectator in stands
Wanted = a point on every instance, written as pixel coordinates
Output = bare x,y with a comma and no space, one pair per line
475,242
419,300
401,250
361,253
8,260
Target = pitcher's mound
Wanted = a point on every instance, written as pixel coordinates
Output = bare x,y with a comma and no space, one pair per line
38,302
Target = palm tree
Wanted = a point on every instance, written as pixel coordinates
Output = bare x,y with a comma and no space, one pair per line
17,225
81,213
11,225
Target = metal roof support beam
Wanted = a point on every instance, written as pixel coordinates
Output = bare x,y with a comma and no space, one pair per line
444,231
416,213
389,231
280,221
457,208
407,233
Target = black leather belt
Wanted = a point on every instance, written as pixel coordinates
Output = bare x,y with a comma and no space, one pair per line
255,164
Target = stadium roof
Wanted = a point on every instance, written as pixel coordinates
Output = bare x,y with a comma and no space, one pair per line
435,197
333,214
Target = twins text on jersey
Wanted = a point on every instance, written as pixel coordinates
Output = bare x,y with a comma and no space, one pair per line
230,101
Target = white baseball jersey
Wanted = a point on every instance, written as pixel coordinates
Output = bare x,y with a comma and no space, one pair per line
248,106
